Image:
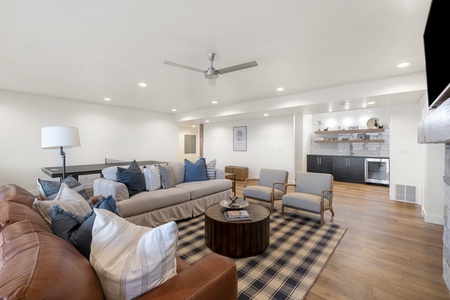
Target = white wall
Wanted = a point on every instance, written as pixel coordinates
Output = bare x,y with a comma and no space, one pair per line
431,172
414,164
182,132
270,144
404,147
105,131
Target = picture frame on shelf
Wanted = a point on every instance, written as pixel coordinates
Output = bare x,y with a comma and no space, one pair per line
240,138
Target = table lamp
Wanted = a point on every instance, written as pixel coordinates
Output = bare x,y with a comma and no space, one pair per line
53,137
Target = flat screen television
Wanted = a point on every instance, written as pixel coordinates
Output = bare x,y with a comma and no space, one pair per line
437,54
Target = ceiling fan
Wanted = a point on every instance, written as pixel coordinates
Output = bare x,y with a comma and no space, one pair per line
211,72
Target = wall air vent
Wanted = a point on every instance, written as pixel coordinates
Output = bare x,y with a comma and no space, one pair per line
405,193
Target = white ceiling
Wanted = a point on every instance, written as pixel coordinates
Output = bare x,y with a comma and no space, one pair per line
88,50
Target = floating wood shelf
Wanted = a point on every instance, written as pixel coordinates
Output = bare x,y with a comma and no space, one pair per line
349,141
349,131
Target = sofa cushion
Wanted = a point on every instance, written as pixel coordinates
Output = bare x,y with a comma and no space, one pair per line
198,189
78,230
12,212
167,180
177,169
152,178
48,189
148,201
67,199
35,265
15,193
195,171
211,169
129,259
132,178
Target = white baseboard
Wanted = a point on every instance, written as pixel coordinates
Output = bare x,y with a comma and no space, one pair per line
433,219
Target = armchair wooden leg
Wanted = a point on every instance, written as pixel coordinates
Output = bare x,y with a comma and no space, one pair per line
332,211
282,210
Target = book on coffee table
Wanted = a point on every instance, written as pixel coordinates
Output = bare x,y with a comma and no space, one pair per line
237,215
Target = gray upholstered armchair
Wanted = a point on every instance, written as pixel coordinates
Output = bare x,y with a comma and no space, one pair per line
313,193
270,187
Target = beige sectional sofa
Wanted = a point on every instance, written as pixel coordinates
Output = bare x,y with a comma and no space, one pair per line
152,208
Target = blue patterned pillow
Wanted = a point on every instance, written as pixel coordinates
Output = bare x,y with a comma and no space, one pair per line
48,189
167,180
195,172
132,177
78,230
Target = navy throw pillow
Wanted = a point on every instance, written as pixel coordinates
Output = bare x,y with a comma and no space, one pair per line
132,177
195,172
78,230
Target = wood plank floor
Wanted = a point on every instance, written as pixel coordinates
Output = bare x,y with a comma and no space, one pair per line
388,252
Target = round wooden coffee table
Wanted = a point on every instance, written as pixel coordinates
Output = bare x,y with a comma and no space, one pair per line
237,238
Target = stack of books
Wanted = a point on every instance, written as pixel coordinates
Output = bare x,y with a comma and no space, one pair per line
237,215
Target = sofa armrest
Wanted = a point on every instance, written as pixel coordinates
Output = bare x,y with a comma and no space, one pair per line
213,277
106,187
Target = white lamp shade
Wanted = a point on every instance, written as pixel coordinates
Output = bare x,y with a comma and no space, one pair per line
59,136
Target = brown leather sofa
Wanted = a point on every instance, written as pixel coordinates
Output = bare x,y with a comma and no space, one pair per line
35,264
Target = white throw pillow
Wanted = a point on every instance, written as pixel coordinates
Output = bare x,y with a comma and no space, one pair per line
68,199
152,178
130,260
110,173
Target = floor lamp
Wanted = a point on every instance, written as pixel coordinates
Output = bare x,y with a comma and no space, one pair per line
53,137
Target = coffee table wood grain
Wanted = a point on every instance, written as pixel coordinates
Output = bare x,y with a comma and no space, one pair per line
237,238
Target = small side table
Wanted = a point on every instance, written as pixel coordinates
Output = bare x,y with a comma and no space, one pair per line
240,172
237,238
232,176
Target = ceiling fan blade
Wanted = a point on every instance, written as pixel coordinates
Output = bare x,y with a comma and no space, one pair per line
238,67
183,66
211,82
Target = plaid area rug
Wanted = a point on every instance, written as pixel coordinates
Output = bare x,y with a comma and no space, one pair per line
299,249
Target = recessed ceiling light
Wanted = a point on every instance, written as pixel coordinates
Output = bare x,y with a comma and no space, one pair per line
403,64
142,84
193,126
280,89
214,102
371,102
266,115
206,121
107,99
174,109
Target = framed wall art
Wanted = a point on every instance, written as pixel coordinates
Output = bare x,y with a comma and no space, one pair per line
240,138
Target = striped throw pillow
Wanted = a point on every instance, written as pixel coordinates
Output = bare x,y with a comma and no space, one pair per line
211,169
152,178
130,260
68,199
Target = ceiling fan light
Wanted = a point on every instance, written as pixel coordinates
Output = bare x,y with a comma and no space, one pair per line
211,73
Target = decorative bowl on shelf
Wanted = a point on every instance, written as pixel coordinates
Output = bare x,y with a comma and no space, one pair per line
373,123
